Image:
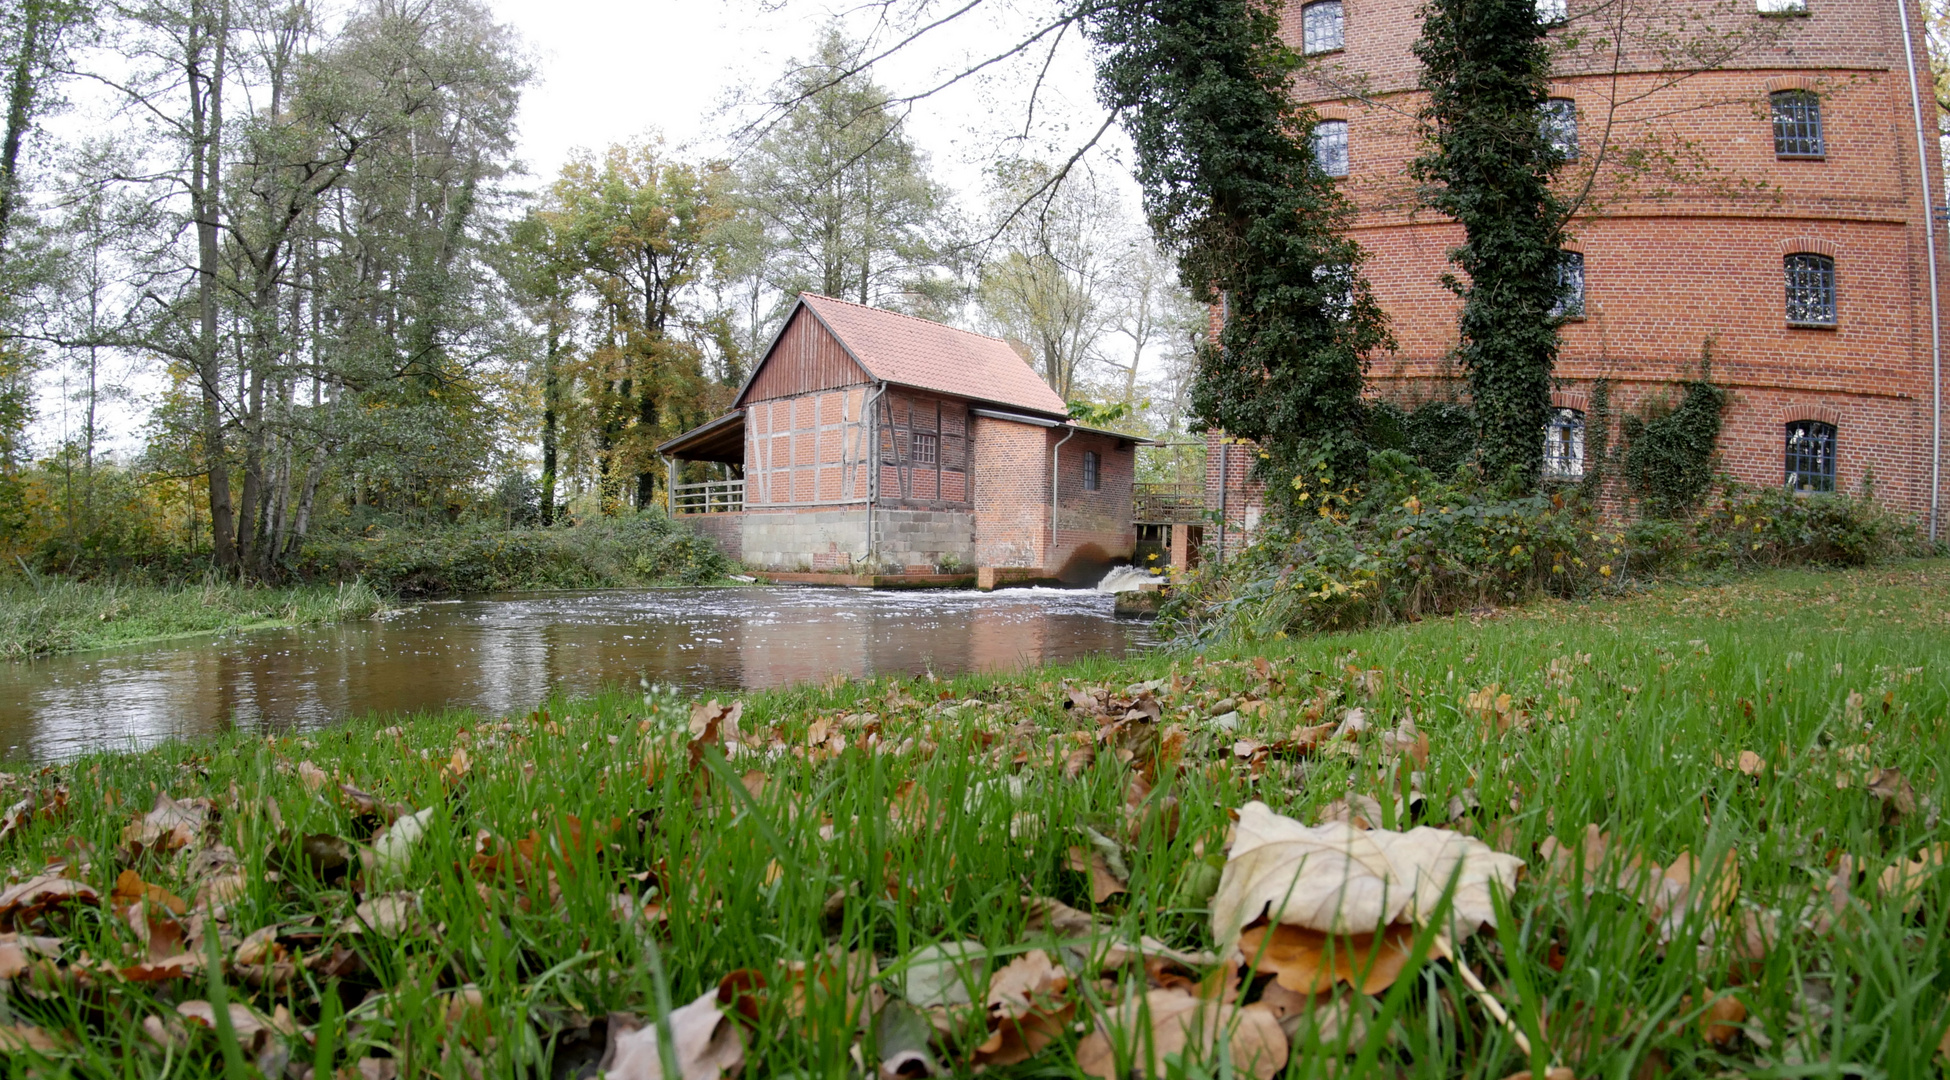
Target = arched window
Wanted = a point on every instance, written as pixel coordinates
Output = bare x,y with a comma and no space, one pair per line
1810,456
1558,118
1564,445
1092,471
1330,146
1797,124
1321,27
1810,289
1570,286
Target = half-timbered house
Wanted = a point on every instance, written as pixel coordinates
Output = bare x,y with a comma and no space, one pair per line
868,439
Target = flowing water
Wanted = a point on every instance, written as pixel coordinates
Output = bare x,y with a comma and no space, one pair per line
506,654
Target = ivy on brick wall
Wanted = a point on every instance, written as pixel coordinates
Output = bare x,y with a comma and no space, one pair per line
1597,440
1440,435
1486,68
1231,186
1670,450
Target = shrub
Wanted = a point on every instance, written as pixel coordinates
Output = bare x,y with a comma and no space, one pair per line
1669,455
634,550
1778,527
1405,545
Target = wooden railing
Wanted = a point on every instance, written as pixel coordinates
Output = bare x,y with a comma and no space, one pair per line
709,497
1168,504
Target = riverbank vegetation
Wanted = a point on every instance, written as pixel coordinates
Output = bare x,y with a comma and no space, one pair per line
1685,832
41,616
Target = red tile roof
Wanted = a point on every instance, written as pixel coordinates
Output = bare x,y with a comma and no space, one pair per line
927,355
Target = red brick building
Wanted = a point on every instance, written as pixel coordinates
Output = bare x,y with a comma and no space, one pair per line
1775,202
867,438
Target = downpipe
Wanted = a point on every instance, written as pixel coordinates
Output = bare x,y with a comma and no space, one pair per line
1054,453
1929,246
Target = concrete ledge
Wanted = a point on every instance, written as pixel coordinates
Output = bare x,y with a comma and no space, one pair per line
989,578
870,581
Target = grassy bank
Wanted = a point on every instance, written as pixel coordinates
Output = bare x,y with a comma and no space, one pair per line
1725,802
42,615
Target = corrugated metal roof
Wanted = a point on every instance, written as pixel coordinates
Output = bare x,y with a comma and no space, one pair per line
925,355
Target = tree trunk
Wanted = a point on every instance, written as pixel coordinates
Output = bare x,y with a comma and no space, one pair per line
20,101
206,109
550,379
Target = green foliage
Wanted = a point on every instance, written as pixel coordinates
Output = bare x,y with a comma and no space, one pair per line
1486,66
42,615
644,548
1775,527
1439,435
1091,414
1669,451
1597,440
1406,544
1231,186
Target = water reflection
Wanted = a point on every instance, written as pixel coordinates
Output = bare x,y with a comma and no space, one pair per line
506,654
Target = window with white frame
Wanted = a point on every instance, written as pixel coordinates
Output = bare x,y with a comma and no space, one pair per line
925,449
1330,146
1092,471
1321,27
1558,118
1564,445
1810,280
1810,456
1570,286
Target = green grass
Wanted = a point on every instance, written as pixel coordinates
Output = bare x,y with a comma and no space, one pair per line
42,615
930,824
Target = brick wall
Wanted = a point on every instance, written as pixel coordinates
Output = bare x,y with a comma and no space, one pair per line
1687,246
1229,485
1011,489
909,481
1093,528
808,450
727,531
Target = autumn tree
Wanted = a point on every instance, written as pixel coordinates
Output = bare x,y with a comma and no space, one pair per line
641,232
845,200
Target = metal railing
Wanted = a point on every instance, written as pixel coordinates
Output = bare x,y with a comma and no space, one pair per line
1168,504
709,497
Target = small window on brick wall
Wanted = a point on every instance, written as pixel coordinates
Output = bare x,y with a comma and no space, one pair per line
1321,27
1552,12
1564,445
926,448
1330,147
1810,283
1810,456
1092,471
1570,286
1797,124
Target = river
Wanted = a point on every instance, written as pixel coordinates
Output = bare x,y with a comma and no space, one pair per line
501,655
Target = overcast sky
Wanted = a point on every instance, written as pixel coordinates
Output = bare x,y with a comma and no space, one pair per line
609,70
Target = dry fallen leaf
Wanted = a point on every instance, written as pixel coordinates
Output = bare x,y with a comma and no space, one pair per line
1338,880
388,915
1104,883
1904,881
706,1041
15,1038
1175,1023
23,902
1310,962
1027,1009
170,825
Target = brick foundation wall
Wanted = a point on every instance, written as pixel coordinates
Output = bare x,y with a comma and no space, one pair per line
725,530
811,539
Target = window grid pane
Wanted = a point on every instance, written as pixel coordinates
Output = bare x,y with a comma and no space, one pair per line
1330,146
1559,119
926,449
1321,28
1564,445
1090,475
1810,289
1797,124
1810,456
1570,285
